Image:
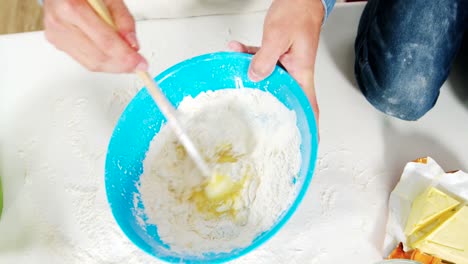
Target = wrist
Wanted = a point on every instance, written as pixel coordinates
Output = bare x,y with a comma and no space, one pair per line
319,10
315,8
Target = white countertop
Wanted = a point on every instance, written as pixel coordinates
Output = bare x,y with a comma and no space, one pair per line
56,120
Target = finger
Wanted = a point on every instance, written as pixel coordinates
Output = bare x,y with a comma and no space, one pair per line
306,81
105,38
312,96
274,44
300,63
124,21
240,47
73,42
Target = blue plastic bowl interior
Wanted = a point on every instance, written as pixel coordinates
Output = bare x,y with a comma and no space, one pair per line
142,119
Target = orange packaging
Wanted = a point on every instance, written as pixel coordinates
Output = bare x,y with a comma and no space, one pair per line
399,253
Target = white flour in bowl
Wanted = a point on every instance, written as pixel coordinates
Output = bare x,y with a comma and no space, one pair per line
246,134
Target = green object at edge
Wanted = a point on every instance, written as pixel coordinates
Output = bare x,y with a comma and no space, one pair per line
1,198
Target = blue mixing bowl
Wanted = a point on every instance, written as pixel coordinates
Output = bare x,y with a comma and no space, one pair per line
142,119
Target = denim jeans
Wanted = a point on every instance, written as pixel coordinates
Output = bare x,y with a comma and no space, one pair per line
404,52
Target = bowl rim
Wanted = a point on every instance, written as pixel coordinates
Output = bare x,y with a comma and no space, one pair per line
287,214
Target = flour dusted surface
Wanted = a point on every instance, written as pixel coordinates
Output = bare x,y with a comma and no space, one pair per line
244,133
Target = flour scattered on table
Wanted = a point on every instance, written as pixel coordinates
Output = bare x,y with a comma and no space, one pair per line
244,134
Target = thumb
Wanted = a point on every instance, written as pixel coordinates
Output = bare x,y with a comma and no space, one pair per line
274,44
124,22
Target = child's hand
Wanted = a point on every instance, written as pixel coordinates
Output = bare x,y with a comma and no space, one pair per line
73,27
290,36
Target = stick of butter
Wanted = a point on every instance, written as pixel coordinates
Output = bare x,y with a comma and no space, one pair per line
438,225
449,240
427,207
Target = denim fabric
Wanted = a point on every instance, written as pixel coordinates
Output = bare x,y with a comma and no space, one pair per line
404,52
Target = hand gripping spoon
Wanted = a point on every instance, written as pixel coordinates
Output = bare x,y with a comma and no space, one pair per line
160,99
